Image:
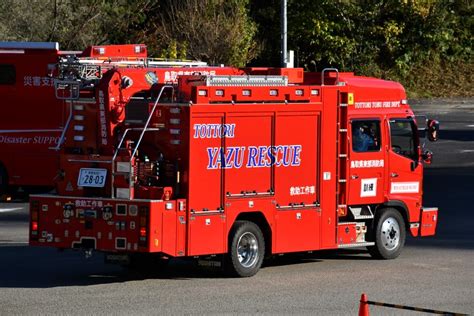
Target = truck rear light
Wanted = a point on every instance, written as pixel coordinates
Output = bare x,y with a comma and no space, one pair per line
299,92
34,214
273,92
202,93
315,92
219,92
34,228
143,226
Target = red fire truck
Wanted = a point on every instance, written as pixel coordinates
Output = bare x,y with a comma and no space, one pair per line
32,118
238,166
30,115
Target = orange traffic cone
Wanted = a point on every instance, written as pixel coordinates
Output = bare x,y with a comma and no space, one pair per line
364,307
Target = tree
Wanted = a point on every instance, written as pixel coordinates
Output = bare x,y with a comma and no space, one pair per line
74,24
216,31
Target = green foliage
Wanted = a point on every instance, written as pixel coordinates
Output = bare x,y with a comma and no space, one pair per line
216,31
422,43
75,24
403,40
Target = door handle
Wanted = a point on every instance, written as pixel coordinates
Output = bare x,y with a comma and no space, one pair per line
394,174
354,176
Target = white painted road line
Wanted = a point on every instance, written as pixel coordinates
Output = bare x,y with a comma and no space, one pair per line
5,210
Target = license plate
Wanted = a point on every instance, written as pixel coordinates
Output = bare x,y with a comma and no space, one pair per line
91,177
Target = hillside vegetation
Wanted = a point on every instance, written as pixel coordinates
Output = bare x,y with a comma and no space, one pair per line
425,44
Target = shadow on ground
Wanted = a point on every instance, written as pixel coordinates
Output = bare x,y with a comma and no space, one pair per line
457,135
27,267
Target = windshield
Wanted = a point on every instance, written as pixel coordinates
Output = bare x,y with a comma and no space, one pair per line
404,138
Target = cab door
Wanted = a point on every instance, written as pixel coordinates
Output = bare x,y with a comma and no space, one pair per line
405,169
366,162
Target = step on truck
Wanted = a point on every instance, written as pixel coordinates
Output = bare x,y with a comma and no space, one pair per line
238,166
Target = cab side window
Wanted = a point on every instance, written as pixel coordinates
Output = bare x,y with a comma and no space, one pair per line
7,74
403,138
365,135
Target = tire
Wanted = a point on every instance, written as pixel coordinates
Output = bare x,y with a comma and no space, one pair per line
389,234
246,249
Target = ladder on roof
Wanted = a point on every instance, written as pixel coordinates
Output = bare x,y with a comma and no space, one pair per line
86,68
75,73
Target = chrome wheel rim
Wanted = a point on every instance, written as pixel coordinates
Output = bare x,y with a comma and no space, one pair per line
247,250
390,233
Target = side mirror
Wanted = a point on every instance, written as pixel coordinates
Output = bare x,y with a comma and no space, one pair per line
427,157
433,129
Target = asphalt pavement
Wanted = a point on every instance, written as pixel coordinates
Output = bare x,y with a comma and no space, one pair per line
435,272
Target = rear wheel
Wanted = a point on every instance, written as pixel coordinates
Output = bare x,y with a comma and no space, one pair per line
246,249
389,234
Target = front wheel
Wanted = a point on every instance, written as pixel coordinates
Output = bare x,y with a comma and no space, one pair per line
246,249
389,234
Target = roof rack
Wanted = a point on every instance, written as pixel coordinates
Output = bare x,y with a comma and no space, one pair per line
252,80
72,67
143,62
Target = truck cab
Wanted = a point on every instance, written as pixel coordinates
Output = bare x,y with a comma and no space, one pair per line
385,172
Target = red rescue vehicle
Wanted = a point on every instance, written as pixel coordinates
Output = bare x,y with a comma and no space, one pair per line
32,118
259,162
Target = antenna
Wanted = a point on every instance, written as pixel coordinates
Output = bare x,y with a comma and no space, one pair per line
283,29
